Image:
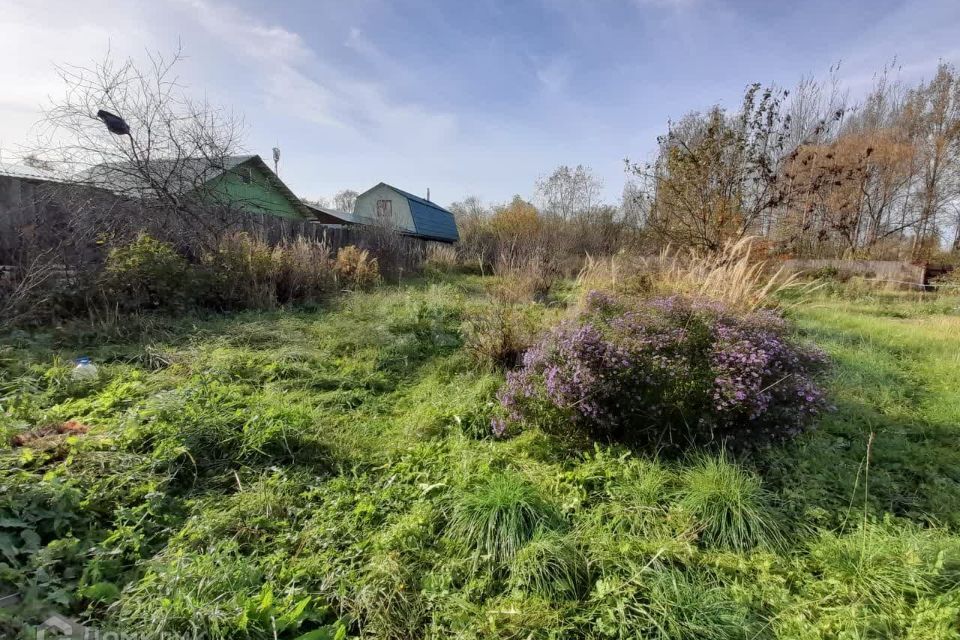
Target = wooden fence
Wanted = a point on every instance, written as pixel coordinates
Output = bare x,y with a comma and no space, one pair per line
898,274
78,226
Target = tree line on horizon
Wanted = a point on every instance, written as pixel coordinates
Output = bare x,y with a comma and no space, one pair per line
806,170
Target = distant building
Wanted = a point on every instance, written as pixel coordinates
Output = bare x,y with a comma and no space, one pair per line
410,214
328,216
243,183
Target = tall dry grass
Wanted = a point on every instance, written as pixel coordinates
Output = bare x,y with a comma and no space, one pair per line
733,276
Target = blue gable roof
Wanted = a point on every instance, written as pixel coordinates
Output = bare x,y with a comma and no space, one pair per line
430,220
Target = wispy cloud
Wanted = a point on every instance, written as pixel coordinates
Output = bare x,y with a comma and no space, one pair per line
477,97
666,4
554,75
296,81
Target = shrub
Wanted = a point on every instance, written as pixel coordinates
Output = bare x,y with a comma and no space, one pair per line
948,282
440,259
525,278
499,335
497,516
147,274
304,271
245,271
355,268
669,372
240,273
828,272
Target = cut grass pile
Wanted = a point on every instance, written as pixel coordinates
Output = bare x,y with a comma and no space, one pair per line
330,473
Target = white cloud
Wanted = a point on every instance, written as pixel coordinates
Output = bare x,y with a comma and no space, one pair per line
36,36
259,68
554,75
297,81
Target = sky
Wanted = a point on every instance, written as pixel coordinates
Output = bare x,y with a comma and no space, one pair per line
476,97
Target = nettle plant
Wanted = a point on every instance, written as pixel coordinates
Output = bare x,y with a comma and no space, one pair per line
669,372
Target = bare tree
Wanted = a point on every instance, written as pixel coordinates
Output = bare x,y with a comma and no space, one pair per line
955,221
470,209
569,193
478,243
345,200
163,149
856,187
317,202
634,204
24,287
932,118
815,109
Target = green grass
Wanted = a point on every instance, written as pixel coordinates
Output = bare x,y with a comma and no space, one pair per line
728,503
896,375
495,517
269,475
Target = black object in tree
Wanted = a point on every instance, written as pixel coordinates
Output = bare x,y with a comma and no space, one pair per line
115,124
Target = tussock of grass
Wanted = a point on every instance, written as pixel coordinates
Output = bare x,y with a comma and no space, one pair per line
668,604
496,516
880,562
728,504
551,565
388,602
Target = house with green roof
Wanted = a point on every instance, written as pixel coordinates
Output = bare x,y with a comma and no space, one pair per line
242,183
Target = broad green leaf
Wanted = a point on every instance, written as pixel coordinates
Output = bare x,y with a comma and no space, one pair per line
31,539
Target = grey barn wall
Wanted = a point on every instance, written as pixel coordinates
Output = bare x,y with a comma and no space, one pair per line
892,271
18,207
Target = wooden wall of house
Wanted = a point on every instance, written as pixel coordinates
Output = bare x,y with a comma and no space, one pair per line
18,210
39,217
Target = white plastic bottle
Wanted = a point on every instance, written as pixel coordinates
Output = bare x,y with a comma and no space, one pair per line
85,369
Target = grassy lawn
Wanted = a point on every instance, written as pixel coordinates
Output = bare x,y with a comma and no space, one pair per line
896,375
331,472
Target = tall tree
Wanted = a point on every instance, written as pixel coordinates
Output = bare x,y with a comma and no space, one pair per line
718,177
569,192
855,187
932,118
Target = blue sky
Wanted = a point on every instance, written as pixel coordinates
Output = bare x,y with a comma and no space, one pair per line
467,97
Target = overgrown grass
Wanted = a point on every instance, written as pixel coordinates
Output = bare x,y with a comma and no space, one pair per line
269,475
729,505
497,516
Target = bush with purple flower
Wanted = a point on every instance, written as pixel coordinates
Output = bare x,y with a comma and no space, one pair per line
668,372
